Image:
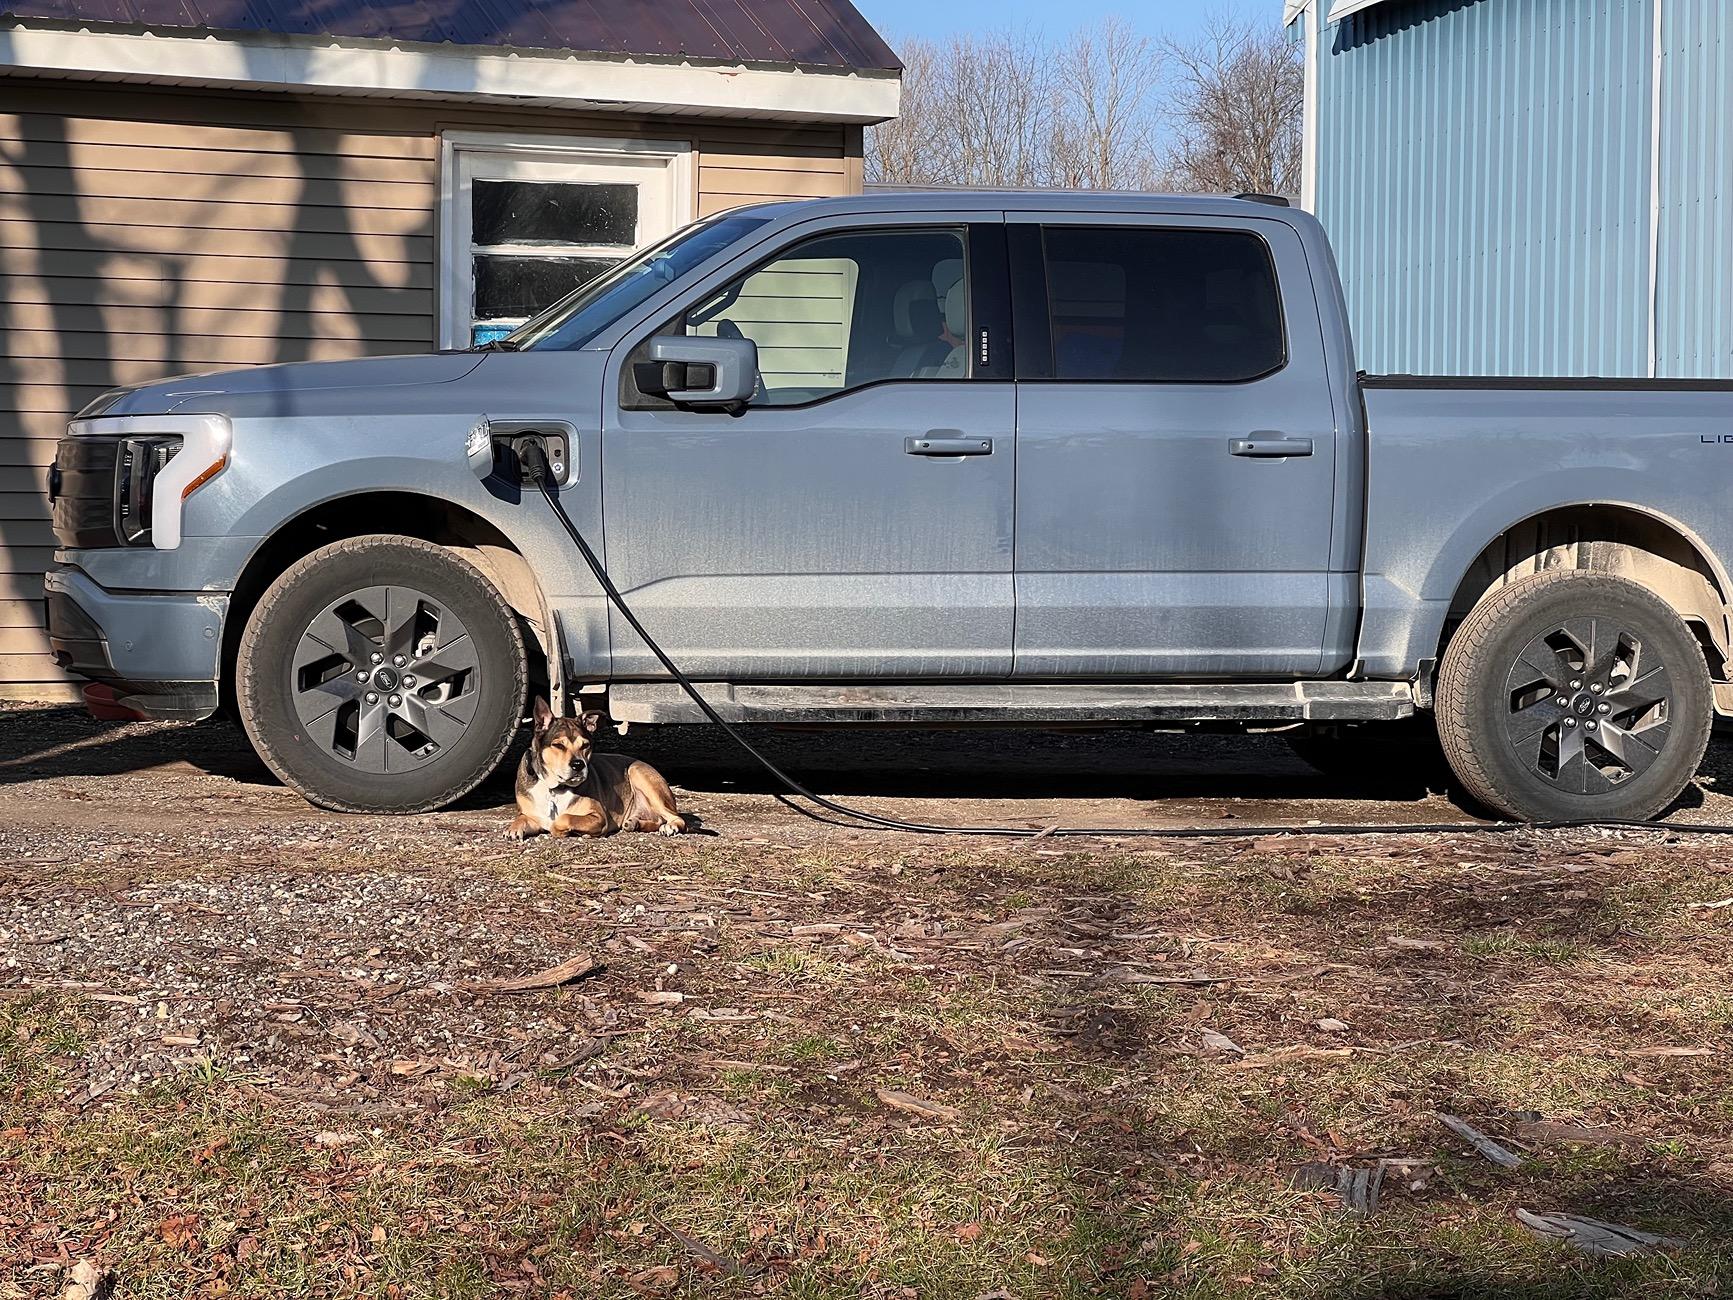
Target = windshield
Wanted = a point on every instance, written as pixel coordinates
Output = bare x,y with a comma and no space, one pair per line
588,310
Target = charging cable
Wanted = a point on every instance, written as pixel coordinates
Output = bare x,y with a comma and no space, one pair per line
535,470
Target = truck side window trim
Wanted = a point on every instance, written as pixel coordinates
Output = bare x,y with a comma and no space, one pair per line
1032,288
989,310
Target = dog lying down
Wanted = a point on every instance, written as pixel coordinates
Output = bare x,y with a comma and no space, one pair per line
565,788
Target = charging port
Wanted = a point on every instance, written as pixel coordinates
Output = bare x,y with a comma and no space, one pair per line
510,442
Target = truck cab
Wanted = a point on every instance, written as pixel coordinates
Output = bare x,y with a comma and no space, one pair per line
967,458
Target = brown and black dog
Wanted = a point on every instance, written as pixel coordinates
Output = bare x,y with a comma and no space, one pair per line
565,788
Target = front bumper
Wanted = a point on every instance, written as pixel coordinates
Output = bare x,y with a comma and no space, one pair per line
159,652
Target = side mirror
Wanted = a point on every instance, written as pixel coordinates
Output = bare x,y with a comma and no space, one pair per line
701,374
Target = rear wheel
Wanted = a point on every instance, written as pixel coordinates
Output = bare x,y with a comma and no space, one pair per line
381,674
1574,696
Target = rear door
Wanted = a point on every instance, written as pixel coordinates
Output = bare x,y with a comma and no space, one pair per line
855,522
1176,450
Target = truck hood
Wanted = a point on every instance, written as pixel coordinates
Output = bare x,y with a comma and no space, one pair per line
290,389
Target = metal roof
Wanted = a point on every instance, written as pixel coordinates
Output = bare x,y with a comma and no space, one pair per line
813,33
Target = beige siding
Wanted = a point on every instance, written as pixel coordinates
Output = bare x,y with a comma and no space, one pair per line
144,233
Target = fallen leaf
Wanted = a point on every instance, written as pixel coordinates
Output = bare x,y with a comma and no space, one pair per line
85,1281
1499,1155
567,971
655,1281
180,1230
1214,1042
1333,1026
968,1232
336,1139
1593,1235
907,1101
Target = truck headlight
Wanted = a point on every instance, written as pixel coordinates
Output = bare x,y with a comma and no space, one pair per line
160,461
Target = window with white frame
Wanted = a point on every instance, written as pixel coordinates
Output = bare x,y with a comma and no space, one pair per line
528,219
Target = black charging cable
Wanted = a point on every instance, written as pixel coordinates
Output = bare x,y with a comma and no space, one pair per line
535,470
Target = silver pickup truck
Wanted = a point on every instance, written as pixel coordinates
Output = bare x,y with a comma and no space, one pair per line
963,458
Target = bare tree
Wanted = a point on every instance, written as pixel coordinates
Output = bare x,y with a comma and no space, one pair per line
1234,104
998,91
905,150
1109,108
1104,134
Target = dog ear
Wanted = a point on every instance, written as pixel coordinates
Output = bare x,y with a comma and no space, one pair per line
544,715
591,722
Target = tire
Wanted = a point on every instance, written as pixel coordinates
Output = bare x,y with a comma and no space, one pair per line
444,676
1375,756
1636,711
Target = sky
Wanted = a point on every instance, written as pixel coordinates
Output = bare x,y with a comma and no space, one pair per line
939,18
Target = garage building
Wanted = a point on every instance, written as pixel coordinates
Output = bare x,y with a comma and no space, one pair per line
1527,187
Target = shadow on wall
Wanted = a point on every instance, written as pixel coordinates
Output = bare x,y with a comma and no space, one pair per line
98,293
1386,19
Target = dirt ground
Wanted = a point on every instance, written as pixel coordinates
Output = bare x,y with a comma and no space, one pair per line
250,1048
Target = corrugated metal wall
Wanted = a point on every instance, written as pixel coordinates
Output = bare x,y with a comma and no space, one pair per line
1485,169
1694,296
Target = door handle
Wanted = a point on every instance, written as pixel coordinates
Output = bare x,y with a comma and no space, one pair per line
1269,445
933,445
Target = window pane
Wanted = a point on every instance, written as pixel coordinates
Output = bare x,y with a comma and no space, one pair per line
531,212
516,288
1162,306
846,310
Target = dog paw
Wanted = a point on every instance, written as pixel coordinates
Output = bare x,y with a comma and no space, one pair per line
675,827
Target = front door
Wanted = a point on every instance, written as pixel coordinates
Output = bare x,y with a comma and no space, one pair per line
1176,451
855,522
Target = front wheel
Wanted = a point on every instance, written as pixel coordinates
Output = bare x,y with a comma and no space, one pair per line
1574,696
381,674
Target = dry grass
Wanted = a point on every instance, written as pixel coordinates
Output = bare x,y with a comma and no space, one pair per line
1080,1140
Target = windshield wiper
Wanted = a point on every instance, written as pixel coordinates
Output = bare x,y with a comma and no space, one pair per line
498,345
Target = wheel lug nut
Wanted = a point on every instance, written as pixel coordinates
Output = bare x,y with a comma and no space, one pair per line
1597,688
409,681
1590,726
361,676
399,660
372,698
1563,700
1570,722
1606,708
378,658
397,700
1576,686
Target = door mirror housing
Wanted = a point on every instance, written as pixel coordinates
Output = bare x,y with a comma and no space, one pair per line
700,374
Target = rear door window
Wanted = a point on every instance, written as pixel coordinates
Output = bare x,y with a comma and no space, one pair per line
1140,304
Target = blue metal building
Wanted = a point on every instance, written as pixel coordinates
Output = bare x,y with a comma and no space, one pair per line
1528,187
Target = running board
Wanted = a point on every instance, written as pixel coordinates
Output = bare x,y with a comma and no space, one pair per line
666,703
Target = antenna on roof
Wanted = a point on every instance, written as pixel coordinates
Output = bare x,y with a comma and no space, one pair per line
1274,200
